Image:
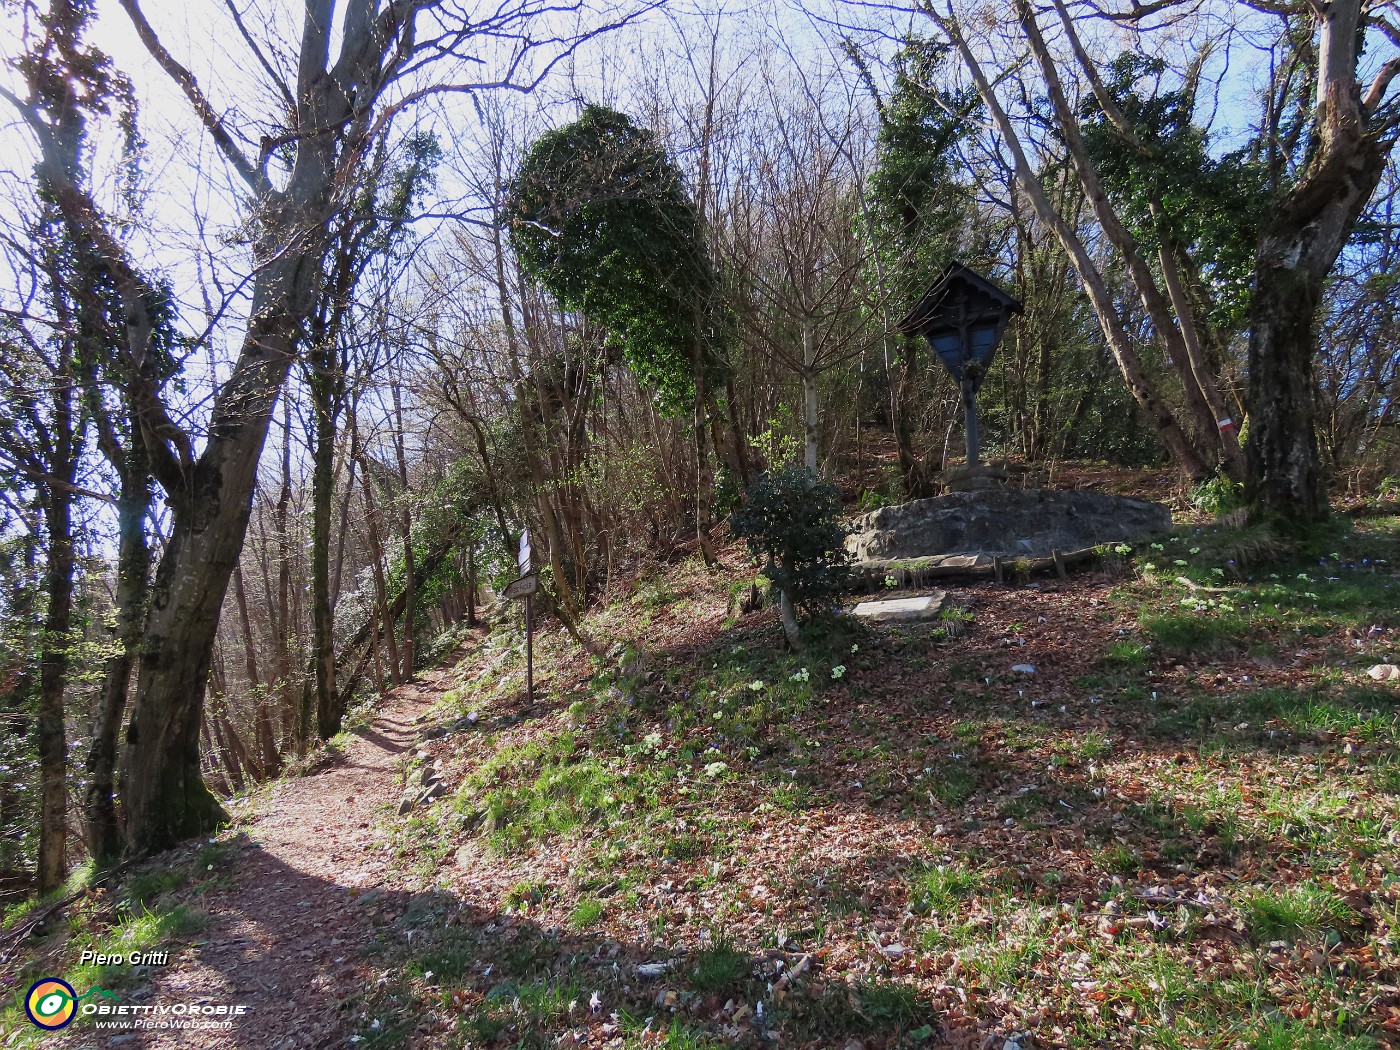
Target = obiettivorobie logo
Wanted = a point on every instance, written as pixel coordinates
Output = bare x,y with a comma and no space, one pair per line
51,1003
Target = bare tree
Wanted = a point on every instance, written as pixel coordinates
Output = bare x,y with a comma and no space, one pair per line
343,99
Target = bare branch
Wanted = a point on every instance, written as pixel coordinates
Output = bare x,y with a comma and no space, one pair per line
1375,94
256,179
272,74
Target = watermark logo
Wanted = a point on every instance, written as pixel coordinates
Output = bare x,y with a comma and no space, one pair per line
51,1003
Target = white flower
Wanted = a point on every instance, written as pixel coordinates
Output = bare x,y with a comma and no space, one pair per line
714,769
838,670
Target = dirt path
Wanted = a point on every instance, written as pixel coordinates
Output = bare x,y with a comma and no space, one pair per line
289,937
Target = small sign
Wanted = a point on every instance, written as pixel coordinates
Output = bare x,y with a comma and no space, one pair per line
523,587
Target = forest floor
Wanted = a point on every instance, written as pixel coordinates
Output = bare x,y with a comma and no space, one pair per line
1180,827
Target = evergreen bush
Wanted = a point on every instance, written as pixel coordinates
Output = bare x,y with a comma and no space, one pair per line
792,522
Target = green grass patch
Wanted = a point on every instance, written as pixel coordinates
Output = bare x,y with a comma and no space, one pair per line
939,890
1301,911
587,913
1290,1035
526,1010
891,1005
1125,654
535,791
17,912
953,783
719,966
1192,632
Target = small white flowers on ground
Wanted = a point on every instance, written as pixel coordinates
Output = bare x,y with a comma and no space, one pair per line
838,670
801,676
757,685
714,769
595,1003
855,648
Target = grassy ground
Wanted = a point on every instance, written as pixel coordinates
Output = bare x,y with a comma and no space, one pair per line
154,906
1180,830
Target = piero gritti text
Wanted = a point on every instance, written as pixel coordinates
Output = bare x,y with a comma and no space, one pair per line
129,959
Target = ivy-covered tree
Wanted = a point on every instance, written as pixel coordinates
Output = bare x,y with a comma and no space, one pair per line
916,205
1174,194
915,209
600,216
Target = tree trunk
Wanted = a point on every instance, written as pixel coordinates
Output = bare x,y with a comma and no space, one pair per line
704,482
741,445
471,584
163,794
324,709
406,535
917,483
283,624
810,417
1296,253
53,670
104,834
210,493
376,554
789,621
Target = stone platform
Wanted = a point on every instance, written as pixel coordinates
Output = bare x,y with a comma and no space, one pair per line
970,529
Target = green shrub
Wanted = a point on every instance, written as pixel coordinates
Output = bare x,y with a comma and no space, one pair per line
792,521
1218,495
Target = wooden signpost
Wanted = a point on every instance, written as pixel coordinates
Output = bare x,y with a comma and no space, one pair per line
524,587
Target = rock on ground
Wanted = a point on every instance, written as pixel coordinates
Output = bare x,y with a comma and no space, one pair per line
903,610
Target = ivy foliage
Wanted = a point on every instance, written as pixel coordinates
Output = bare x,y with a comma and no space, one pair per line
916,206
599,215
792,521
1210,206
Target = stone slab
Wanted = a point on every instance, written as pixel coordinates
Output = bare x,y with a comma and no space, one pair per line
903,610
